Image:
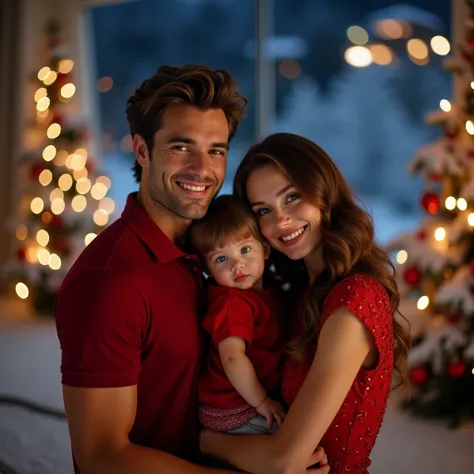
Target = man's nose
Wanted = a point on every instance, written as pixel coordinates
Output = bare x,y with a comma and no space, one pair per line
199,163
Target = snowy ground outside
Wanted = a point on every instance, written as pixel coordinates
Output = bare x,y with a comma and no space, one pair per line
36,444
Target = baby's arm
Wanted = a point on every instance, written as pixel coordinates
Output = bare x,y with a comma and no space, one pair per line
242,376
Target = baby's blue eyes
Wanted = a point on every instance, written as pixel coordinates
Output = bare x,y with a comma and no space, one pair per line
223,258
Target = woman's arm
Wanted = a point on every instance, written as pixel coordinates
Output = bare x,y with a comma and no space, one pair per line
343,345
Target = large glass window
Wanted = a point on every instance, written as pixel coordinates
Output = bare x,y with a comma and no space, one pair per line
133,39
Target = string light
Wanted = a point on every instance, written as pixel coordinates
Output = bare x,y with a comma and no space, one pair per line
45,177
49,153
83,185
402,257
21,232
423,303
43,104
54,262
37,205
65,182
22,290
53,131
89,238
40,93
65,66
57,206
462,204
42,237
450,203
98,191
440,234
470,219
101,217
67,91
43,72
445,105
78,203
440,45
470,127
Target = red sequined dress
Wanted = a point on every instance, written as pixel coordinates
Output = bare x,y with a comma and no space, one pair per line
352,434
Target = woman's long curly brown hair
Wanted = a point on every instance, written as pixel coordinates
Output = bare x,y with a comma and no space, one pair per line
347,231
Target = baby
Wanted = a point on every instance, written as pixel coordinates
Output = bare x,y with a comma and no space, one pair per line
244,320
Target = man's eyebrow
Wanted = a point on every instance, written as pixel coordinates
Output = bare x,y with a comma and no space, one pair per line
190,141
278,194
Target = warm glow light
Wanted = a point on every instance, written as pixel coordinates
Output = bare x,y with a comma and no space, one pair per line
402,257
54,262
440,45
83,185
22,290
50,78
68,90
381,54
46,217
43,104
105,181
45,177
391,29
81,151
56,193
98,191
49,153
58,206
76,161
107,204
423,303
445,105
417,48
78,203
40,93
43,72
101,217
462,204
89,238
32,255
42,237
65,66
53,131
357,35
61,158
470,127
43,256
472,84
450,203
440,234
37,205
82,173
21,232
104,84
472,371
65,182
470,219
358,56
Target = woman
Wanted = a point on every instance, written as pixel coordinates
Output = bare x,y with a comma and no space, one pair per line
346,342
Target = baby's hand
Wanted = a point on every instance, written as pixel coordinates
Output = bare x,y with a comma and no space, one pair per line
271,409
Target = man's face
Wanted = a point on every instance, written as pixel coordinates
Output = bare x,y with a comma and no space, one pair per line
188,161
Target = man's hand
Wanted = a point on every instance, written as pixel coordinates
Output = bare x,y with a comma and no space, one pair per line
271,410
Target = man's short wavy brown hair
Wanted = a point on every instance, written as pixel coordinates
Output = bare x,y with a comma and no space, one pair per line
193,85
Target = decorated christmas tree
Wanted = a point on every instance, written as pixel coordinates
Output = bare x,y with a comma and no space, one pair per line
436,262
62,201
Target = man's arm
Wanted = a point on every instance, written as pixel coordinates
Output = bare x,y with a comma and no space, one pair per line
100,420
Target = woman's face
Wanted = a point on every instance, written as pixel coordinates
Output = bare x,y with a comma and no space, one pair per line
289,222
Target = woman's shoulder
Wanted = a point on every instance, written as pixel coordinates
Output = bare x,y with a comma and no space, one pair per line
358,289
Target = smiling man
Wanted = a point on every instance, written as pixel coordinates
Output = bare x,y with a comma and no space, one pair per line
128,312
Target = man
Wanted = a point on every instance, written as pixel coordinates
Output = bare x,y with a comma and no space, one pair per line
128,311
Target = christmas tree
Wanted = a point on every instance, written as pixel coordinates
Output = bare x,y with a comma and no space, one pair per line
62,203
436,262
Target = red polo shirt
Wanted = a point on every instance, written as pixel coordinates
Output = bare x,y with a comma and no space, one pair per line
255,316
128,314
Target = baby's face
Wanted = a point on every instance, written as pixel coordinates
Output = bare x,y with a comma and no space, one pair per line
238,264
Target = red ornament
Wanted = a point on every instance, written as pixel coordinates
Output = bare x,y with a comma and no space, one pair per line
36,171
430,202
56,221
471,267
456,369
454,318
421,235
412,275
22,254
418,375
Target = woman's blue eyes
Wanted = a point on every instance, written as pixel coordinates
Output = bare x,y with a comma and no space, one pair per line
266,210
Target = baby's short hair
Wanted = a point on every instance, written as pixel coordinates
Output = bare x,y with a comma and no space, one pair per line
227,219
